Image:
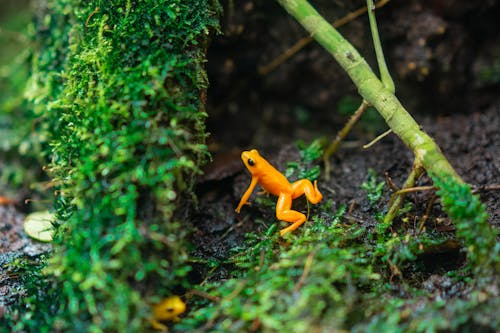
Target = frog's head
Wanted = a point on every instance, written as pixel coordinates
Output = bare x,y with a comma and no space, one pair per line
251,159
169,308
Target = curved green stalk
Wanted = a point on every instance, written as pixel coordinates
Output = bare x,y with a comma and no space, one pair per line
372,89
385,76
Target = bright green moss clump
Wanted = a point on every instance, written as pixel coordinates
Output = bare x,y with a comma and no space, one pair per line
120,84
471,220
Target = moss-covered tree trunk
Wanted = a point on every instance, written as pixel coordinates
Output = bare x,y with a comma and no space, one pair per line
120,85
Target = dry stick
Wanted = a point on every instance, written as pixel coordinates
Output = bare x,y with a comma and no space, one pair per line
276,62
397,198
410,190
390,183
426,214
492,187
341,135
377,139
202,294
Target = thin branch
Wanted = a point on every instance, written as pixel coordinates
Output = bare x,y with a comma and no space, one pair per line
301,43
377,139
390,183
341,136
483,188
385,76
410,190
426,214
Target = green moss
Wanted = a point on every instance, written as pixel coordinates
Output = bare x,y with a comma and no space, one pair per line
314,279
306,167
425,314
374,189
471,221
331,275
120,85
31,292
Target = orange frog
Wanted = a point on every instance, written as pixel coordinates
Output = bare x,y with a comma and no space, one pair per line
274,182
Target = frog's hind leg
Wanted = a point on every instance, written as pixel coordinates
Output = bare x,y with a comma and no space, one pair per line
285,213
304,186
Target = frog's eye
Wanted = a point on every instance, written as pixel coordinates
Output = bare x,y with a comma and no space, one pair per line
251,162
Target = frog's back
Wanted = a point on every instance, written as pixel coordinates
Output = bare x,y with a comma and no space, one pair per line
272,180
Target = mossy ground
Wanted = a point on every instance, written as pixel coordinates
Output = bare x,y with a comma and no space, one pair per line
417,277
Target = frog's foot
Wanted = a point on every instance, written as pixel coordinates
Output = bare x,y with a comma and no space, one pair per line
304,186
291,228
317,196
291,216
238,209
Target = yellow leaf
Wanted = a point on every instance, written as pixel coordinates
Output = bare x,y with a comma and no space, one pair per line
39,226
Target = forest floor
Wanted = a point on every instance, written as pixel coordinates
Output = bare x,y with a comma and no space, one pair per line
298,101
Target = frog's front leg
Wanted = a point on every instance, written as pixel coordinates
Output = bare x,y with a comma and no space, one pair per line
247,194
304,186
284,213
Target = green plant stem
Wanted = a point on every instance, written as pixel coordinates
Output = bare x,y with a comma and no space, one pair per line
332,148
372,89
385,76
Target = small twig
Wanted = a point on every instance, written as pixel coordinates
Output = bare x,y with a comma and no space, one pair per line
255,324
410,190
96,10
276,62
231,228
493,187
351,207
262,258
426,214
395,271
203,295
208,276
390,183
305,272
377,139
341,136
